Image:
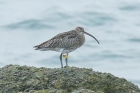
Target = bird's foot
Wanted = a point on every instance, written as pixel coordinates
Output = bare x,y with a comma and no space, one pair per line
65,56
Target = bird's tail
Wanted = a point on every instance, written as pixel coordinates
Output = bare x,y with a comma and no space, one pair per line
36,47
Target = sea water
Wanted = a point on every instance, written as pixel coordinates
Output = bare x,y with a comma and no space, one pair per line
116,24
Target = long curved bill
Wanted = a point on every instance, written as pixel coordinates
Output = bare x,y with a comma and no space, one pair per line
92,36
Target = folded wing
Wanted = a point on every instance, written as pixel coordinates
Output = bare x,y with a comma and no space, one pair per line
63,40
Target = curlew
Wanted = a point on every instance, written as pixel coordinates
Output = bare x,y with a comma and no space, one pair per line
65,43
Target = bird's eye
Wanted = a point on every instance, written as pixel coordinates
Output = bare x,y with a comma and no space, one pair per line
80,28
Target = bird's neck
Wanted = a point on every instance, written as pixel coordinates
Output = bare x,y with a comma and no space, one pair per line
81,37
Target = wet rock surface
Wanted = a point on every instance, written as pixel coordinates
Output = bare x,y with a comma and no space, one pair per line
25,79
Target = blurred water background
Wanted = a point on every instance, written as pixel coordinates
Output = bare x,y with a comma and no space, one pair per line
116,24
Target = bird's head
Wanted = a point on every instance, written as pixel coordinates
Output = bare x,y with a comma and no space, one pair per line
81,30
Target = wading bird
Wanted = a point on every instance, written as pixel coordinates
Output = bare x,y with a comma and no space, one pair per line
65,42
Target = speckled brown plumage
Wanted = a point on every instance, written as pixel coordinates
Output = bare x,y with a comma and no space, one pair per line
65,42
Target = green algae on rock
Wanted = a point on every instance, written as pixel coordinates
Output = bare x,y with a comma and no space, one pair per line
25,79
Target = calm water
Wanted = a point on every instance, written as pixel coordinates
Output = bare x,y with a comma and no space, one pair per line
116,24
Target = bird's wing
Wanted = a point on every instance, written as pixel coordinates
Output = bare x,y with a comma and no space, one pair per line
62,40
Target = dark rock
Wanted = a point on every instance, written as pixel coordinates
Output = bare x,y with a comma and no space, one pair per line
25,79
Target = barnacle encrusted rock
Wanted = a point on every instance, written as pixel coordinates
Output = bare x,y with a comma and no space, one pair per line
25,79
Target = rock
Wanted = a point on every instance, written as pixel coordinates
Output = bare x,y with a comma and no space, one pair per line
25,79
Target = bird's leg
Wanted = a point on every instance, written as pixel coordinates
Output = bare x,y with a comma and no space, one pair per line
66,59
65,85
61,60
